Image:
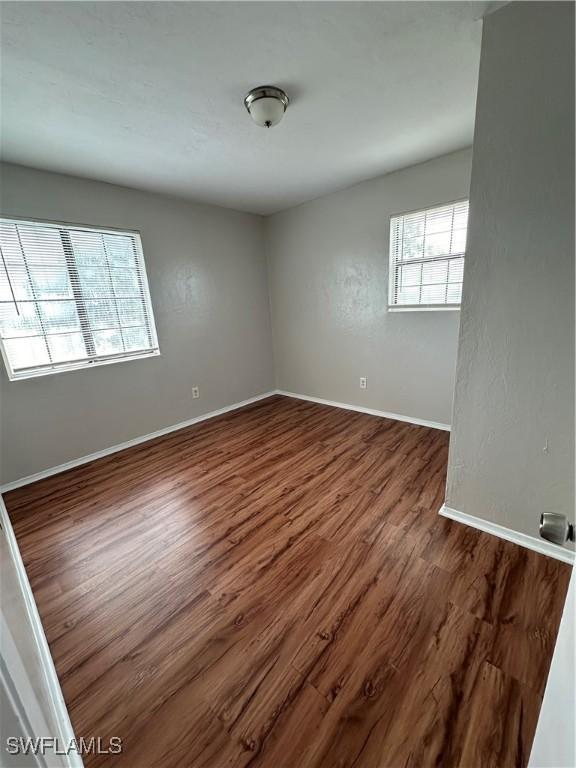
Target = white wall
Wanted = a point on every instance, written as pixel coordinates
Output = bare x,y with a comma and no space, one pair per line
328,273
12,727
207,272
512,443
31,701
555,740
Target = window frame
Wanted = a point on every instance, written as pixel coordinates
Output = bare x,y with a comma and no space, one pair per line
392,265
86,364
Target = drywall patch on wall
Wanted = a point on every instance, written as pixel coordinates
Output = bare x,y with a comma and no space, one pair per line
512,442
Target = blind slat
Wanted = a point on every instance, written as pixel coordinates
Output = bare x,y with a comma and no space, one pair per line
427,250
71,296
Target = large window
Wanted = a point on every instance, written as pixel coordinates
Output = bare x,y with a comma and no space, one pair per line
427,251
71,297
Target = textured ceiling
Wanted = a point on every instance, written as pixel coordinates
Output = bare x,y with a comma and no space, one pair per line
150,95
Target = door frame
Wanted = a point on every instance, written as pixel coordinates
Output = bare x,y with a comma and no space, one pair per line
555,740
31,701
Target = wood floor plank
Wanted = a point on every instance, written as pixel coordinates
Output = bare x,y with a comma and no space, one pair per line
274,587
503,715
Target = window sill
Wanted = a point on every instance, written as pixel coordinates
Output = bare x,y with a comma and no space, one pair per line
424,308
80,366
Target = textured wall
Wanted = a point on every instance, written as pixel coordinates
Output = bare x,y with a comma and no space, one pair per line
207,273
512,445
328,267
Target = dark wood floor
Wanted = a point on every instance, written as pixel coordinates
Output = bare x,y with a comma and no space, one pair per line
275,588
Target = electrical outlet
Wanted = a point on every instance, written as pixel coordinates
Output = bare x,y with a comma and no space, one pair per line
195,392
363,382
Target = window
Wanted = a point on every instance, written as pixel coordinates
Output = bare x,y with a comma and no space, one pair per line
427,257
71,297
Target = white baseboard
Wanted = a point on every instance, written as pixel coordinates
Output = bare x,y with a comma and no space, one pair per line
129,443
522,539
28,697
212,414
369,411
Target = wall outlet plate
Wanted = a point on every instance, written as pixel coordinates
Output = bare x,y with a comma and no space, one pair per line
195,392
363,382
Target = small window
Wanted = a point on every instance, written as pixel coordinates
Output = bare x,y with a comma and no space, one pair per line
71,297
427,251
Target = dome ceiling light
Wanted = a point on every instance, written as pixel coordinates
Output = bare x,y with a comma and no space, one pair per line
266,105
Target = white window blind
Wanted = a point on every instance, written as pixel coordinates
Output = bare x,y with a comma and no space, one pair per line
71,297
427,251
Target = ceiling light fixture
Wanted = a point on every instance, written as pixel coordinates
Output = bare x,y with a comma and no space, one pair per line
266,105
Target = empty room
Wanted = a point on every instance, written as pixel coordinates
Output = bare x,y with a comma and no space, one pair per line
287,393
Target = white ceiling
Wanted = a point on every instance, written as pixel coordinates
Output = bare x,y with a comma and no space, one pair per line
149,95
